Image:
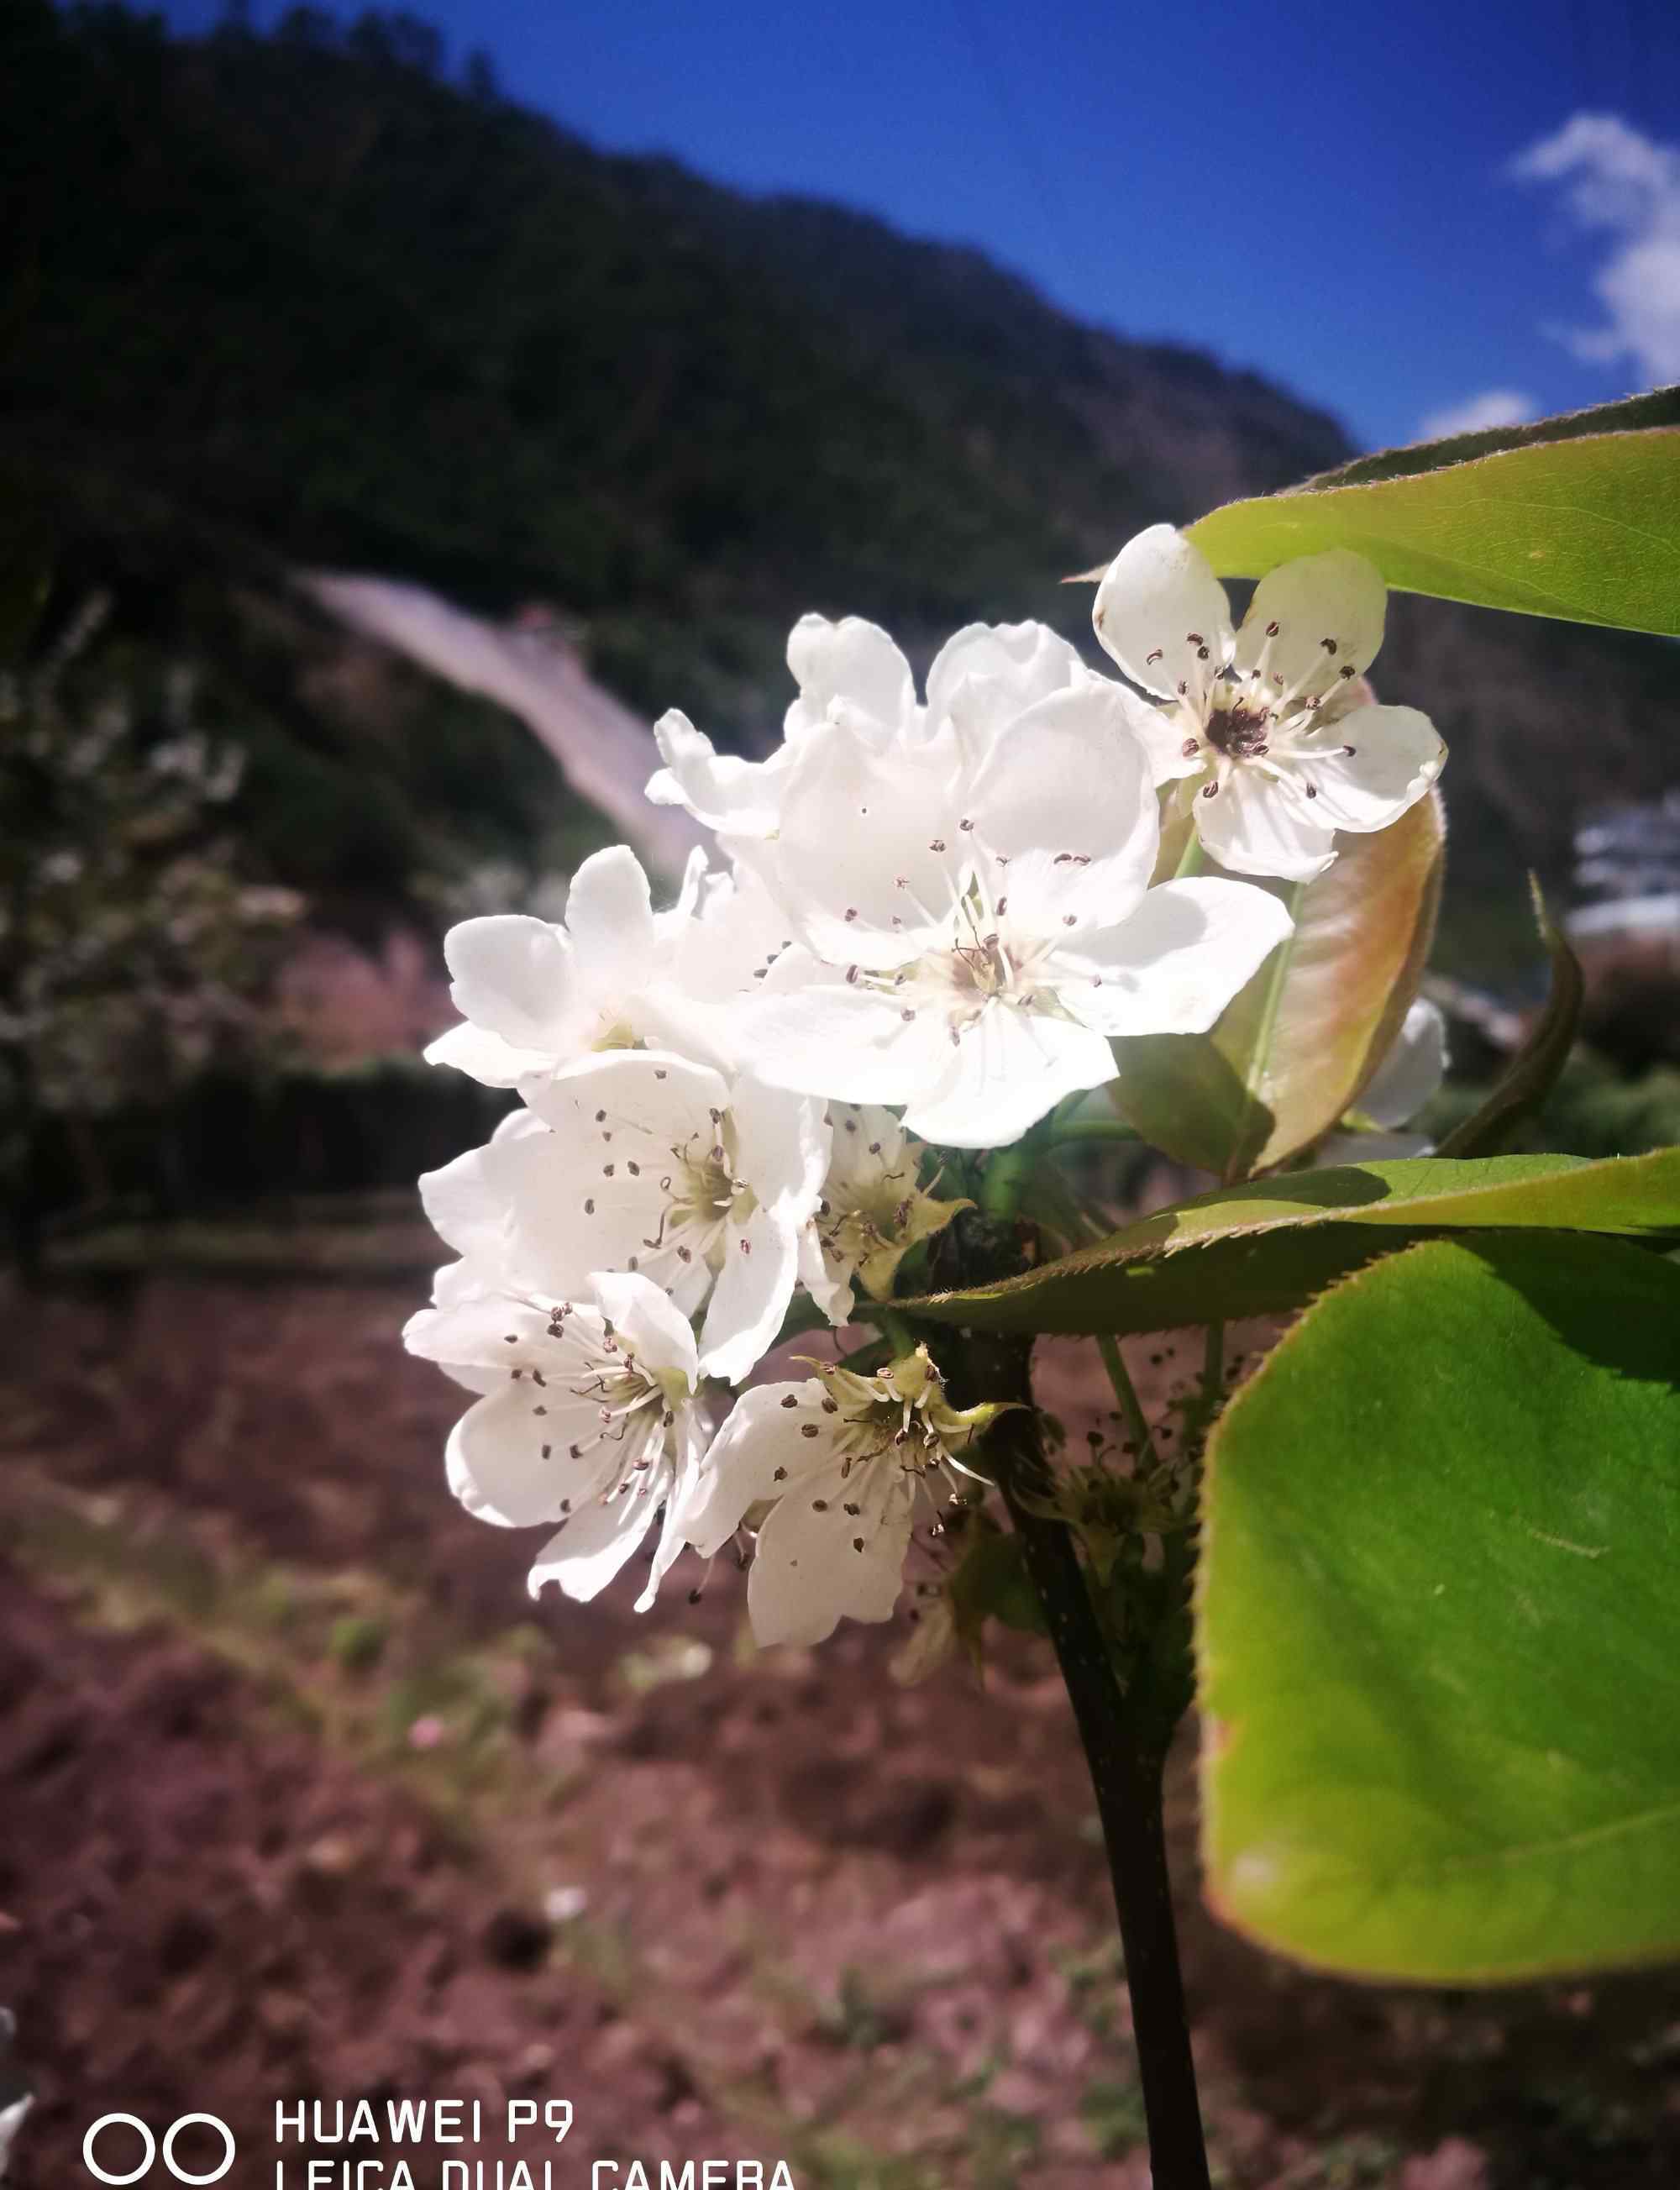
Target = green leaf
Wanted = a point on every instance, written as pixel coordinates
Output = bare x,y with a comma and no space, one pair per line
989,1582
1585,529
1438,1631
1292,1052
1271,1246
1533,1072
1630,414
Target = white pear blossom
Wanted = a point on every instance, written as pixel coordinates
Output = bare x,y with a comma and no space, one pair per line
588,1416
1273,741
536,994
873,1210
1410,1073
851,672
846,1458
656,1166
968,941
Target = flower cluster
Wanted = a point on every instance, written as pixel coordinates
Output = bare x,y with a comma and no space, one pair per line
927,921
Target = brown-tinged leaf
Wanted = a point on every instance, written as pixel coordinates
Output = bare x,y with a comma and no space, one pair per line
1294,1050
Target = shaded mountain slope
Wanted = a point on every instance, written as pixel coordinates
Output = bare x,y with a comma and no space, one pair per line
314,303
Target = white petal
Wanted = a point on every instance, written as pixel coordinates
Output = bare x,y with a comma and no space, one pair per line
515,976
826,1279
648,1327
488,1057
817,1564
697,875
483,1326
735,797
1412,1071
595,1545
719,965
1011,1066
868,857
784,1142
988,673
761,1267
852,661
868,1143
776,1435
589,1197
1329,611
1161,733
815,1031
1174,966
1370,1148
1396,755
1254,827
1069,777
670,1547
464,1488
1158,606
422,1336
610,918
648,1090
469,1202
518,1459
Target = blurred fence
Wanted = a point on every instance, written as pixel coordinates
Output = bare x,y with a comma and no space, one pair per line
228,1139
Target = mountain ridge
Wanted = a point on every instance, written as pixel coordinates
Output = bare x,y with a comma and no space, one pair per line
300,293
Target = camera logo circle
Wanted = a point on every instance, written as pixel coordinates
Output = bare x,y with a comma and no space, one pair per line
180,2173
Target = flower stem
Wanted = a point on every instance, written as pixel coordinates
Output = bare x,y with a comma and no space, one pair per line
1006,1174
1190,859
1125,1775
1131,1406
1124,1736
1078,1130
896,1330
1212,1372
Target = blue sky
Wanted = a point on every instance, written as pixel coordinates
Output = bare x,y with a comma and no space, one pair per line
1325,193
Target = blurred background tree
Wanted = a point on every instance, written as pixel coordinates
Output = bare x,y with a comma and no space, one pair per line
136,943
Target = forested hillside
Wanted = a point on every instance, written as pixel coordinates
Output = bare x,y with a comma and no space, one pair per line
322,297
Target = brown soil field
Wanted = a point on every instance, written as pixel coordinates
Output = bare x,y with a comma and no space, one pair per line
301,1797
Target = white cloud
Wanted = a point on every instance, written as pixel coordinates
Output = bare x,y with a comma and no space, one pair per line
1615,179
1495,407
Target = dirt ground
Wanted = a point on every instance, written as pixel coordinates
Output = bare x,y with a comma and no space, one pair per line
301,1798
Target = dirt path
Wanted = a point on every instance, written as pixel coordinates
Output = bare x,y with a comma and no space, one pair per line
299,1795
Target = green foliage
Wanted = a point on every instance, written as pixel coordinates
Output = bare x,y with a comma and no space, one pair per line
1271,1246
1593,1111
1438,1627
989,1582
1630,414
1582,524
356,1641
1112,2109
